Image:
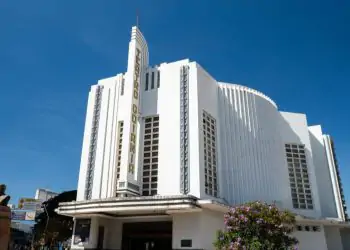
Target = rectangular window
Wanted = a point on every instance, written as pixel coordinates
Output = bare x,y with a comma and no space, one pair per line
209,136
119,148
146,85
301,196
152,83
151,143
158,79
186,243
122,87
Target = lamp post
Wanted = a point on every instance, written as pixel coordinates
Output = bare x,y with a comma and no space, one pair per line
48,218
47,222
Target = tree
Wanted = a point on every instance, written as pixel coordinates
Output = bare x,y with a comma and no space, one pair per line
257,225
50,226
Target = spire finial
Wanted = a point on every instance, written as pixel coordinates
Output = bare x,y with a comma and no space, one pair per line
137,18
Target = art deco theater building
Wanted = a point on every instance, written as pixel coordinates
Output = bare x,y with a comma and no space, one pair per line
168,148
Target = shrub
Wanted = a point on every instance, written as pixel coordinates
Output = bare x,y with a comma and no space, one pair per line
257,225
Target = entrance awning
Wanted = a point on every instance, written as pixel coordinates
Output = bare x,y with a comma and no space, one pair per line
159,205
131,206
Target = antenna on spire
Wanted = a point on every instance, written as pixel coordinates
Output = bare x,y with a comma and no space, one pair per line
137,18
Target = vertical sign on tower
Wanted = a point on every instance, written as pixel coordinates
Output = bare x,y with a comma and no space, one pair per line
134,112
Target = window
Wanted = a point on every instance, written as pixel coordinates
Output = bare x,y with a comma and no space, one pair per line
150,156
184,130
152,80
119,150
301,196
146,85
122,87
308,228
158,79
209,136
93,143
186,243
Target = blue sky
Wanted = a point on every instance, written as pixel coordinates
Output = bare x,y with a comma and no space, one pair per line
297,52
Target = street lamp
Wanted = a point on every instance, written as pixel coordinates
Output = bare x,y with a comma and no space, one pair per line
48,218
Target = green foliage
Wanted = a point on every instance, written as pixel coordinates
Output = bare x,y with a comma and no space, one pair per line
54,227
255,226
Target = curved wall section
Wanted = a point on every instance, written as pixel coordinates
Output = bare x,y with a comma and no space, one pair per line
252,166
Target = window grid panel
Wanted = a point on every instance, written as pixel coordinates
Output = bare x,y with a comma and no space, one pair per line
298,176
210,155
93,142
184,130
119,150
150,156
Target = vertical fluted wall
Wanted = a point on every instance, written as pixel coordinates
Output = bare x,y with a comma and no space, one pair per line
252,166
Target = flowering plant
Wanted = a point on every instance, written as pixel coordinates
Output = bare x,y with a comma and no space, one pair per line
256,225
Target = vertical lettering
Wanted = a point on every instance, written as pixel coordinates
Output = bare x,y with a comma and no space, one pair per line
131,168
136,85
133,118
136,94
134,108
138,52
134,112
133,138
132,148
137,70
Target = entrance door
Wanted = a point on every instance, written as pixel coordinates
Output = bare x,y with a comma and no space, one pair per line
149,243
147,236
100,239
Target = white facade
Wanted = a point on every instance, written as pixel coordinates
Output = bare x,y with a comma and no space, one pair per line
44,194
174,130
11,206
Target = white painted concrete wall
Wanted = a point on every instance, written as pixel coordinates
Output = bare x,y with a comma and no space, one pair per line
334,177
207,100
211,222
86,145
186,226
169,130
113,233
333,237
323,177
311,240
252,163
345,237
294,129
201,227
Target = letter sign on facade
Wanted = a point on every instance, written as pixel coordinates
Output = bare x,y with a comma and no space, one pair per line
134,112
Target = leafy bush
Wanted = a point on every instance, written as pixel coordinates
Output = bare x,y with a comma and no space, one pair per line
257,225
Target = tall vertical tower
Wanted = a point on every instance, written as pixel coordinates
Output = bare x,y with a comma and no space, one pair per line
109,162
137,64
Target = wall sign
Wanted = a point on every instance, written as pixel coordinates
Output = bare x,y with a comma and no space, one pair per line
134,112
